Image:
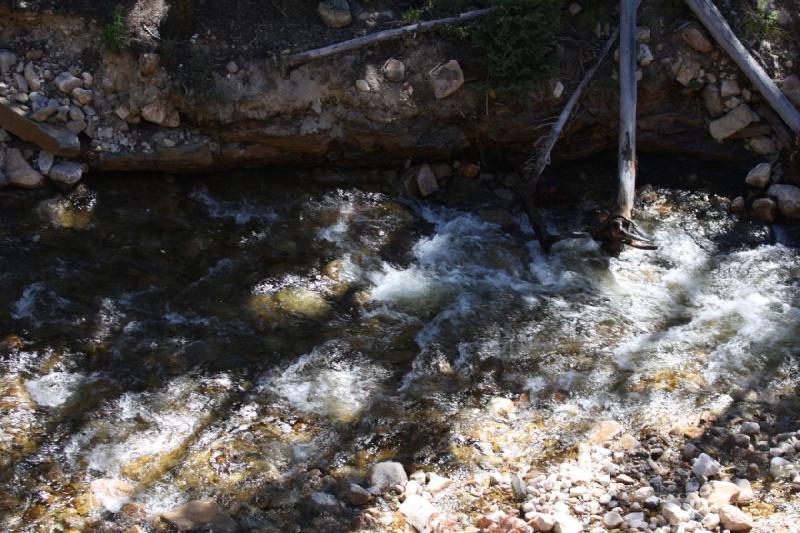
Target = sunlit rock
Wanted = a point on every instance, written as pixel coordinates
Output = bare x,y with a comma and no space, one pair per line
112,493
200,514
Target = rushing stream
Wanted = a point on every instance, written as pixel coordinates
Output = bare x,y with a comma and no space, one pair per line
198,339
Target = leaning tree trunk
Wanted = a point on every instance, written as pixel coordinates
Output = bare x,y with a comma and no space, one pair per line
627,111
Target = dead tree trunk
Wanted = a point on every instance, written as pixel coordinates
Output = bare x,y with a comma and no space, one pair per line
627,111
712,19
619,229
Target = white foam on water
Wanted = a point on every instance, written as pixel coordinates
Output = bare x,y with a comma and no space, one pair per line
241,211
328,381
56,388
24,307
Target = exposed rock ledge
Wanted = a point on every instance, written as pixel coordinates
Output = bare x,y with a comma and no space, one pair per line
345,110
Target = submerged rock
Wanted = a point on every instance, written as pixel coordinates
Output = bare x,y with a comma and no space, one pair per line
200,514
387,475
112,493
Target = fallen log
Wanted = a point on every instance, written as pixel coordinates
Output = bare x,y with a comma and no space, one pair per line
712,19
295,60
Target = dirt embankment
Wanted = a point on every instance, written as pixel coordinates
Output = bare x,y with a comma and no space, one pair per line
152,100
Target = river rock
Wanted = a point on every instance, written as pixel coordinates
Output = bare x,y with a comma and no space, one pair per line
437,483
82,96
729,88
45,112
426,181
720,492
148,63
764,209
231,67
780,468
335,13
763,145
112,493
7,60
694,37
200,514
67,173
542,521
738,208
645,55
705,466
66,82
446,79
759,175
612,519
565,523
32,77
45,162
604,431
788,198
394,70
673,513
713,101
155,112
710,521
20,173
791,88
387,475
363,86
746,495
750,428
734,519
418,512
356,495
733,122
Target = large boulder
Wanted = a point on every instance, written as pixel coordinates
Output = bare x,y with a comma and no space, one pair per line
200,514
733,122
788,198
446,79
335,13
20,173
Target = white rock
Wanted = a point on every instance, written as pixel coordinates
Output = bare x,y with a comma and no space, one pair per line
33,79
362,85
734,519
746,495
558,89
759,175
719,492
112,493
498,406
673,513
612,519
386,475
779,468
418,512
565,523
437,483
710,521
734,121
645,56
542,521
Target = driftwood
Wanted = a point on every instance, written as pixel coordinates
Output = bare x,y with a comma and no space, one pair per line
295,60
712,19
